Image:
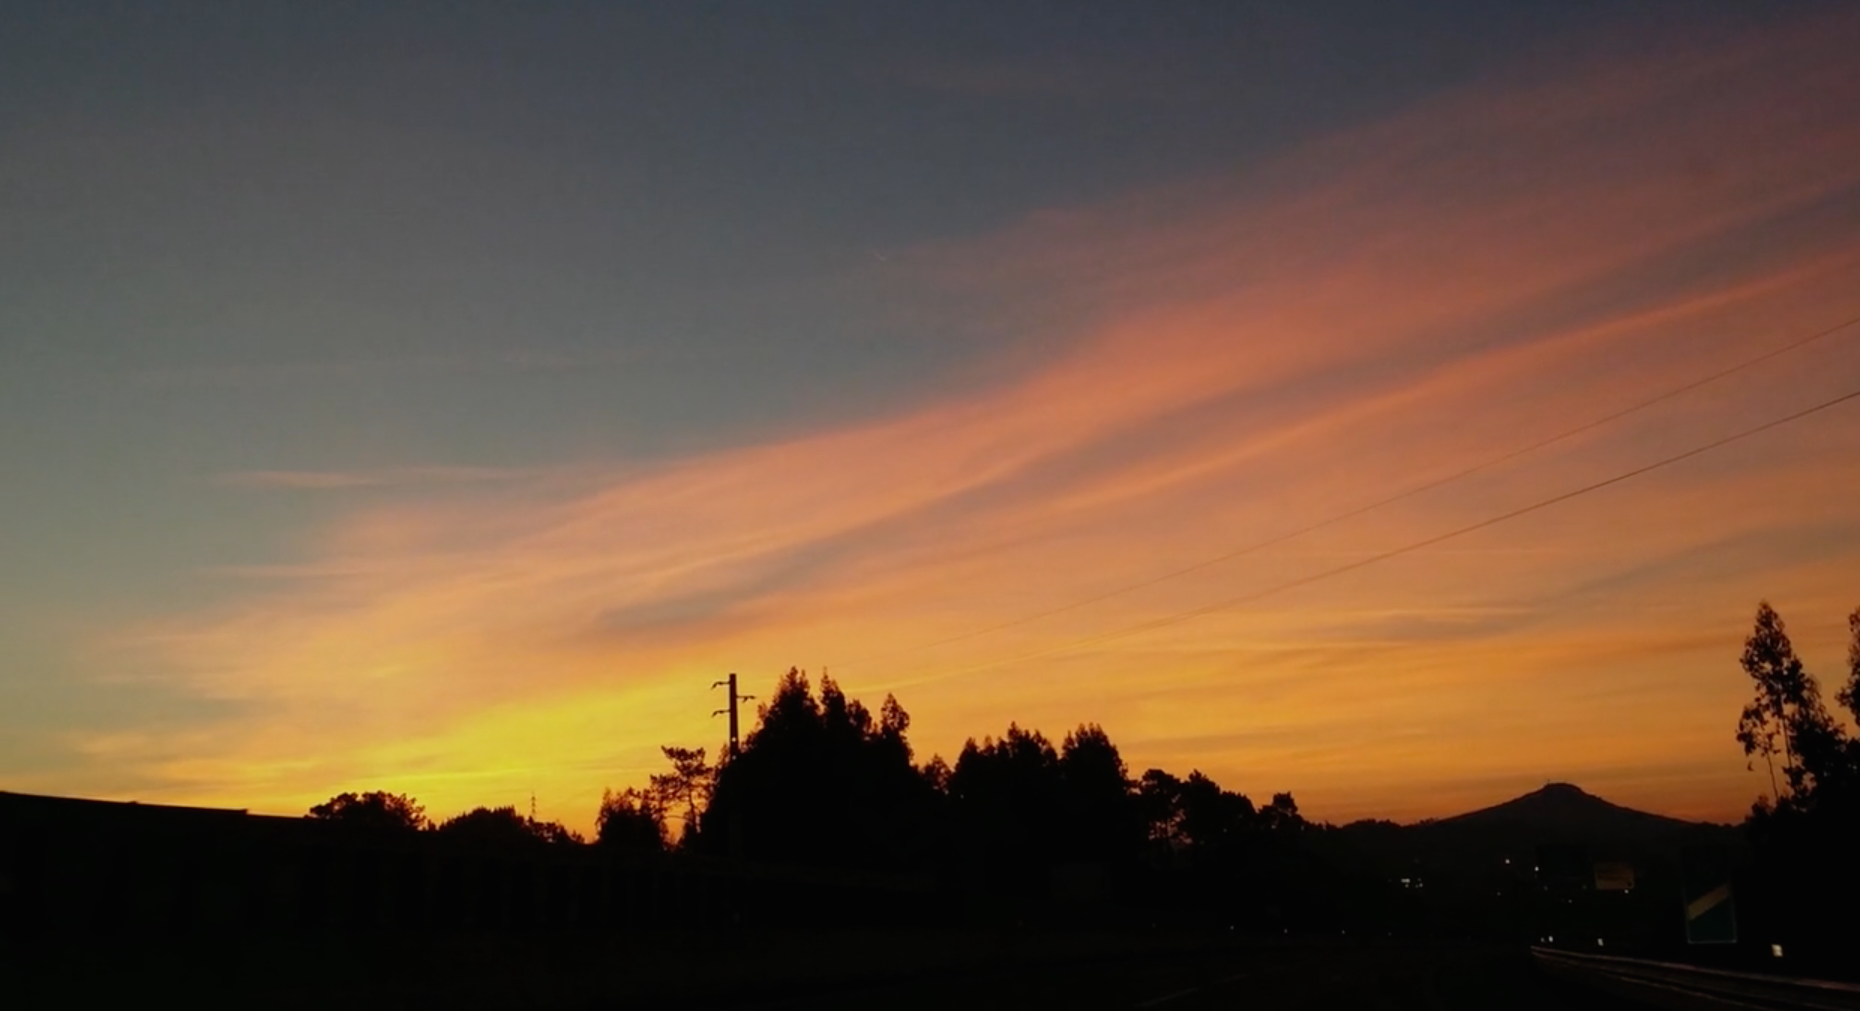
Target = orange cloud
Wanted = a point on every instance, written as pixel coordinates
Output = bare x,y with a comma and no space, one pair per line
1235,358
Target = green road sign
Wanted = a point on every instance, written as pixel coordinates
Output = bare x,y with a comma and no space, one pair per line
1711,915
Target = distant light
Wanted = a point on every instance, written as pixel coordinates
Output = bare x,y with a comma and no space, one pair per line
1598,942
1551,938
1775,951
1507,861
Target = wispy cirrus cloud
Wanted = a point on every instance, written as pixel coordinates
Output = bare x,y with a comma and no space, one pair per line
309,570
1241,356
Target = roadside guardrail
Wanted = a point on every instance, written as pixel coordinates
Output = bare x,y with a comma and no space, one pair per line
1678,986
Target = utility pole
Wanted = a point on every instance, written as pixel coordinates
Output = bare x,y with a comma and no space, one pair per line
734,829
735,747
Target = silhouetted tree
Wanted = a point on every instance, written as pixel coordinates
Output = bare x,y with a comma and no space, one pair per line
631,820
1787,717
688,785
894,722
820,781
493,825
1224,859
1006,803
1805,839
1214,821
1194,814
554,833
377,810
1849,697
1282,815
1159,801
1102,820
935,774
1849,694
503,826
1770,661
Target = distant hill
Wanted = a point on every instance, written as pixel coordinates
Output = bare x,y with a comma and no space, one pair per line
1565,813
1559,814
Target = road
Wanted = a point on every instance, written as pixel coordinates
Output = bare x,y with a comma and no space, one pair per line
1372,977
784,971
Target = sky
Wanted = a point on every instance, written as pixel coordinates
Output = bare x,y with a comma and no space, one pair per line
439,398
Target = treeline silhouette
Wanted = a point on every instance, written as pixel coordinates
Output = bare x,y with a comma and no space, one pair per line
1017,821
1019,829
386,814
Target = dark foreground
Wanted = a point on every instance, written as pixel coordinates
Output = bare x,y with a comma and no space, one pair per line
1378,976
850,970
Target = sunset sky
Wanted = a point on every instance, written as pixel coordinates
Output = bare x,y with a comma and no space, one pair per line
439,397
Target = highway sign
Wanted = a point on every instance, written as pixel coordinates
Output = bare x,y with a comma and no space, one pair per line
1711,915
1614,877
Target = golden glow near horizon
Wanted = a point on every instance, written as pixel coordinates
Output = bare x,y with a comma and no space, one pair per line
1235,359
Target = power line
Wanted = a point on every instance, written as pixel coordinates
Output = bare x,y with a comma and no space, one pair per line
1360,510
1182,616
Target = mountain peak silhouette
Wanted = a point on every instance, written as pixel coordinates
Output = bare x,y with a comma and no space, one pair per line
1569,789
1564,812
1555,814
